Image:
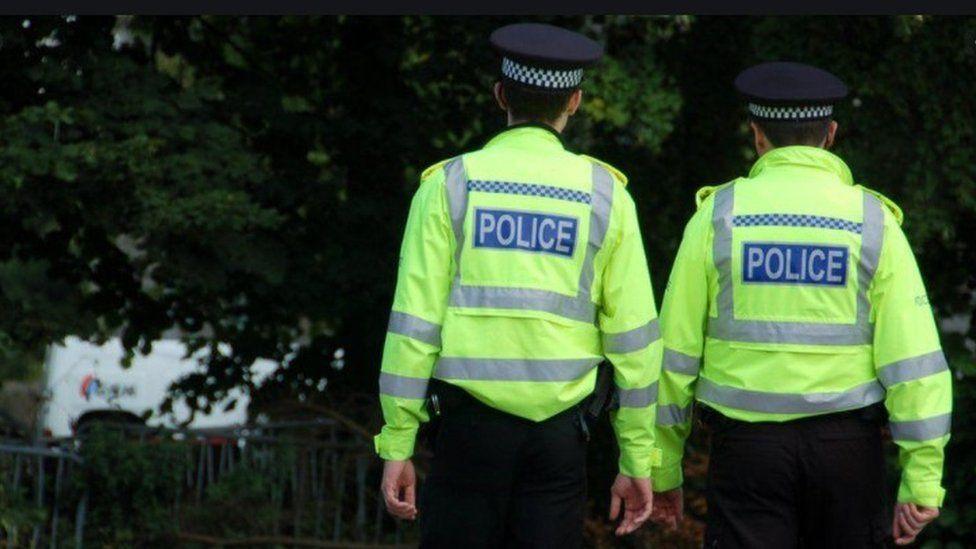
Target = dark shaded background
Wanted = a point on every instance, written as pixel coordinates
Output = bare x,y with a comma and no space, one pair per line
247,179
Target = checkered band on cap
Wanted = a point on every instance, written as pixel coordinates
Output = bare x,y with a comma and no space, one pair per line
809,112
550,79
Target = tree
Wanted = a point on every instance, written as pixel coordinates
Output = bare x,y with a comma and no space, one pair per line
246,179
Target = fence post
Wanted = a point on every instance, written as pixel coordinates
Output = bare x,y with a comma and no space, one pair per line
80,521
57,502
320,472
38,498
360,498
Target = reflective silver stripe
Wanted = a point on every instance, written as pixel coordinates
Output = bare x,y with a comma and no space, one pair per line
727,327
600,206
922,429
456,184
415,327
766,331
912,368
637,398
495,297
514,369
672,414
722,256
579,307
872,237
680,363
403,386
632,340
789,403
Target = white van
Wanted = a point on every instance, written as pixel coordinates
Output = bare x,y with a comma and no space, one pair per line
84,383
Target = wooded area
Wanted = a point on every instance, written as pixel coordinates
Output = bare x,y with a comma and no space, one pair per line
247,179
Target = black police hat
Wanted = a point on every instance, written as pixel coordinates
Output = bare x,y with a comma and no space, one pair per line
790,91
544,57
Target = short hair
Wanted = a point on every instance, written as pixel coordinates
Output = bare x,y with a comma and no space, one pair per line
535,105
783,133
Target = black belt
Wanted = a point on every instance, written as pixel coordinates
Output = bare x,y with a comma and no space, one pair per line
875,413
445,399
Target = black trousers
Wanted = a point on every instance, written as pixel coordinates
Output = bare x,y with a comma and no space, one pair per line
497,480
809,483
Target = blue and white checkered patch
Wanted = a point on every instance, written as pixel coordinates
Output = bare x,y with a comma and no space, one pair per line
793,112
540,77
529,189
796,220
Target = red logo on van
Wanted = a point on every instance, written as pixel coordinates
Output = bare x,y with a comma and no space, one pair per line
89,386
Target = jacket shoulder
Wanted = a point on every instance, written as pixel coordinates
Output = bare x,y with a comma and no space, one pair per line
888,203
702,194
433,168
617,174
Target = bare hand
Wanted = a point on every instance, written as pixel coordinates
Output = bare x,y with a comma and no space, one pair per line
637,499
669,508
909,520
399,489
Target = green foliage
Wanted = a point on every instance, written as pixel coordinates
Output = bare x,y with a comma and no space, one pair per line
18,516
131,488
631,101
243,488
247,178
18,362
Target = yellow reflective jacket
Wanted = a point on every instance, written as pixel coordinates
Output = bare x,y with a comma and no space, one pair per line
522,267
795,293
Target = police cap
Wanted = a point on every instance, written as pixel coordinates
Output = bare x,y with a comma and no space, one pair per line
790,91
544,57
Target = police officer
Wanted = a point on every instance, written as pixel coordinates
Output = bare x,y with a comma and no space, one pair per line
797,318
521,269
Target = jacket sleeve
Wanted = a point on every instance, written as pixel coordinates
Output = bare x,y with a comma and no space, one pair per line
683,317
911,366
413,335
631,342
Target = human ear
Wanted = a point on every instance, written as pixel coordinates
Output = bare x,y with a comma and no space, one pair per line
499,92
759,139
574,102
831,134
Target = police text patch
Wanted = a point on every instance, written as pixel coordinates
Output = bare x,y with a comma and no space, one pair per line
781,263
527,231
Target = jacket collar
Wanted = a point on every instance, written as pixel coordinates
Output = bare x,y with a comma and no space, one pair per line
528,134
800,156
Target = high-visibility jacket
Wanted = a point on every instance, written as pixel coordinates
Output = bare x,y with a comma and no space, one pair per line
795,293
522,267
